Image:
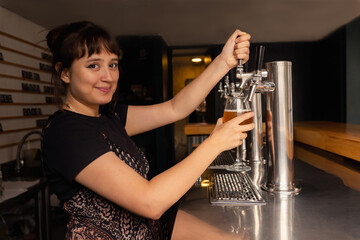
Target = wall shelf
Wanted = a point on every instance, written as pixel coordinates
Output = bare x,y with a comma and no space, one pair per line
24,54
23,91
20,130
24,66
27,104
25,117
24,79
23,41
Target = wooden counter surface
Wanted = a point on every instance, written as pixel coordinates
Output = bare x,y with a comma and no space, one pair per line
198,128
339,138
347,170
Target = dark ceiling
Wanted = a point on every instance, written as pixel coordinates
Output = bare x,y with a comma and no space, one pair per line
200,22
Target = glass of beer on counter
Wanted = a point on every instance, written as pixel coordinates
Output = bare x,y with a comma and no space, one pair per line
235,106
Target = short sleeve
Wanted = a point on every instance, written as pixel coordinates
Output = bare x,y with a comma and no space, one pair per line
69,145
121,111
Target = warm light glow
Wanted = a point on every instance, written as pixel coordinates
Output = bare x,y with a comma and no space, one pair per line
205,183
196,59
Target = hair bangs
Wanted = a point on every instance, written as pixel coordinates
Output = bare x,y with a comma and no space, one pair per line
95,43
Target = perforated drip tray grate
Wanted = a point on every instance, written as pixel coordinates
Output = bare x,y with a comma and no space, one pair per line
222,160
234,188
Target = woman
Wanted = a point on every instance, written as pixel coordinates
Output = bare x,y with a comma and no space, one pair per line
108,198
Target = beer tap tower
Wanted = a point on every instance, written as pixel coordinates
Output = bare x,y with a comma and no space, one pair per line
276,84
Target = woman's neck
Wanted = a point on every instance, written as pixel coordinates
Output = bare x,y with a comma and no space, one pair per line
92,111
68,106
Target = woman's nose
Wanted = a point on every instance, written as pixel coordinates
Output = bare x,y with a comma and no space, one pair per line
107,75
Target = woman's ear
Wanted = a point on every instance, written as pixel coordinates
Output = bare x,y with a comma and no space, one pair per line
63,72
65,75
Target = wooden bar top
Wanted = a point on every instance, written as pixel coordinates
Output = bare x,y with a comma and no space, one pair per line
339,166
198,128
339,138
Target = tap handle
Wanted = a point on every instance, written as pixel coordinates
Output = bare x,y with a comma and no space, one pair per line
239,69
259,57
240,62
221,88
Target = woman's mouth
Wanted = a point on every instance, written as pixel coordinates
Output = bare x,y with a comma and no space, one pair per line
104,90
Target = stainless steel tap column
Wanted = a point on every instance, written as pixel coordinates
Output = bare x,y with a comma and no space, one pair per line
279,125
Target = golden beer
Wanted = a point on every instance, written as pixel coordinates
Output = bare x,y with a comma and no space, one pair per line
230,114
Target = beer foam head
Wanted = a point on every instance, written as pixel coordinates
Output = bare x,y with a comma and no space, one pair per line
237,110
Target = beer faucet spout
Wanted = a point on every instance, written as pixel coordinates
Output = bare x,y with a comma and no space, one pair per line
246,78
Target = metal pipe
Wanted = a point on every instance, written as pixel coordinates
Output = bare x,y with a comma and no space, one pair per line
255,143
19,148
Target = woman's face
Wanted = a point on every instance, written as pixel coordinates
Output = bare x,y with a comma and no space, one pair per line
92,80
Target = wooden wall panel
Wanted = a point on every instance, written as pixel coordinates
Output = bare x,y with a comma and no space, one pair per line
23,48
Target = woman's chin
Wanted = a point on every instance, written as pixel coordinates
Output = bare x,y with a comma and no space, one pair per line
104,102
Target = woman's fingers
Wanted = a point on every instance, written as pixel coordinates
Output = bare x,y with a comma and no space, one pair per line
243,36
243,56
239,119
232,133
238,34
243,44
242,135
236,47
243,117
233,38
248,127
242,49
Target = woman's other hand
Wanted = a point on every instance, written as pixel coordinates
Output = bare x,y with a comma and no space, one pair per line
229,135
236,47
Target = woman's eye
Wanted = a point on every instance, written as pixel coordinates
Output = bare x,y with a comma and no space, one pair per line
114,65
93,66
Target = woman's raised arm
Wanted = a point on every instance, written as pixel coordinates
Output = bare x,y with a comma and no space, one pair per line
144,118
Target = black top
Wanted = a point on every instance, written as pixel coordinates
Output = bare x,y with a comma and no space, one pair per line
71,141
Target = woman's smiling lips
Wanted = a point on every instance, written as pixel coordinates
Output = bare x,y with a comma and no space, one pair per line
104,89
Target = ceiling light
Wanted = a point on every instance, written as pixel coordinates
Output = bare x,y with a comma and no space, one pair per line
196,59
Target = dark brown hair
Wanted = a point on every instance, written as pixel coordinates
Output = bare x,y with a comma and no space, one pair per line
73,41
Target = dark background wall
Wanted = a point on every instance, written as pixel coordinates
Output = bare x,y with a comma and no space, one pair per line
353,72
145,80
319,75
326,82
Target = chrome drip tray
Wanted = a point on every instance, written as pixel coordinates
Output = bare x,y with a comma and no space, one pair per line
222,160
234,188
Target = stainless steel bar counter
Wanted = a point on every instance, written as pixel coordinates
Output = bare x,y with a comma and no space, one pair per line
324,209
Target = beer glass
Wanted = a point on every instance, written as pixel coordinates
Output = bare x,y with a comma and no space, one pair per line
235,106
